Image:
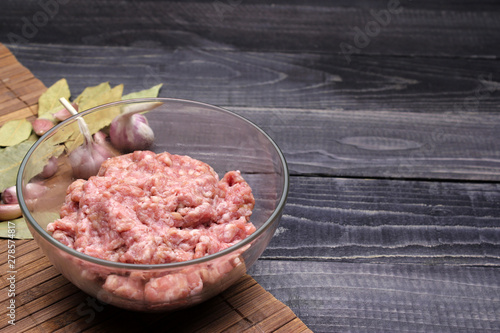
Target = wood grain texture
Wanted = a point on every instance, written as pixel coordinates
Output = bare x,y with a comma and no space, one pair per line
392,218
353,297
412,28
19,89
389,221
384,144
261,79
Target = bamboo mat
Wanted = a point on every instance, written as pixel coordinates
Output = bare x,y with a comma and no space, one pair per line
46,302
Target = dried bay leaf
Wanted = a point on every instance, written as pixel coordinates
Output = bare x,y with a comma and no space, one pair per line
10,160
89,94
108,96
151,92
14,132
97,121
48,102
20,226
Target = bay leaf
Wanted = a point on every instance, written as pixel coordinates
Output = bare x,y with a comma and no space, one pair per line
10,160
107,96
20,226
48,102
89,94
14,132
40,158
151,92
98,120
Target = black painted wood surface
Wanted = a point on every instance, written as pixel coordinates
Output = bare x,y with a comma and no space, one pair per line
387,112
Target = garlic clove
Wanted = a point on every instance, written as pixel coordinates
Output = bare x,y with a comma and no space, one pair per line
101,139
50,168
10,212
41,126
34,191
64,114
9,195
86,160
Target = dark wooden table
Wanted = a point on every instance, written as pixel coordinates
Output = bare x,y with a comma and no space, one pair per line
387,113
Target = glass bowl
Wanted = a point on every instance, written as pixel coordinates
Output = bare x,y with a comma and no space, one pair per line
220,138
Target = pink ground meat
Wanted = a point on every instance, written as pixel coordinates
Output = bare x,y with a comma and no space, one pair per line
149,208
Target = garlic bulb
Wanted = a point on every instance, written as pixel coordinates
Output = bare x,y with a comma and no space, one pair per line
129,132
86,160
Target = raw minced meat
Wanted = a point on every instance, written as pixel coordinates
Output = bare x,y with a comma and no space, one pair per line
148,208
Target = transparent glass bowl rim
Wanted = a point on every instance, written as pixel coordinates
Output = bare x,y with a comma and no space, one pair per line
127,266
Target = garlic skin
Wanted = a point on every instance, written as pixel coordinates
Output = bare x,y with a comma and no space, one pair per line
129,132
41,126
50,168
64,114
10,212
86,160
34,191
9,195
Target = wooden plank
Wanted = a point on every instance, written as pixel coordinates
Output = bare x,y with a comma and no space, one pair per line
35,297
5,95
267,310
274,322
27,290
341,297
28,258
459,29
40,285
28,87
277,80
293,326
20,90
12,107
30,267
19,78
243,284
9,62
22,246
389,221
384,144
82,317
31,98
33,258
10,67
61,301
24,113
